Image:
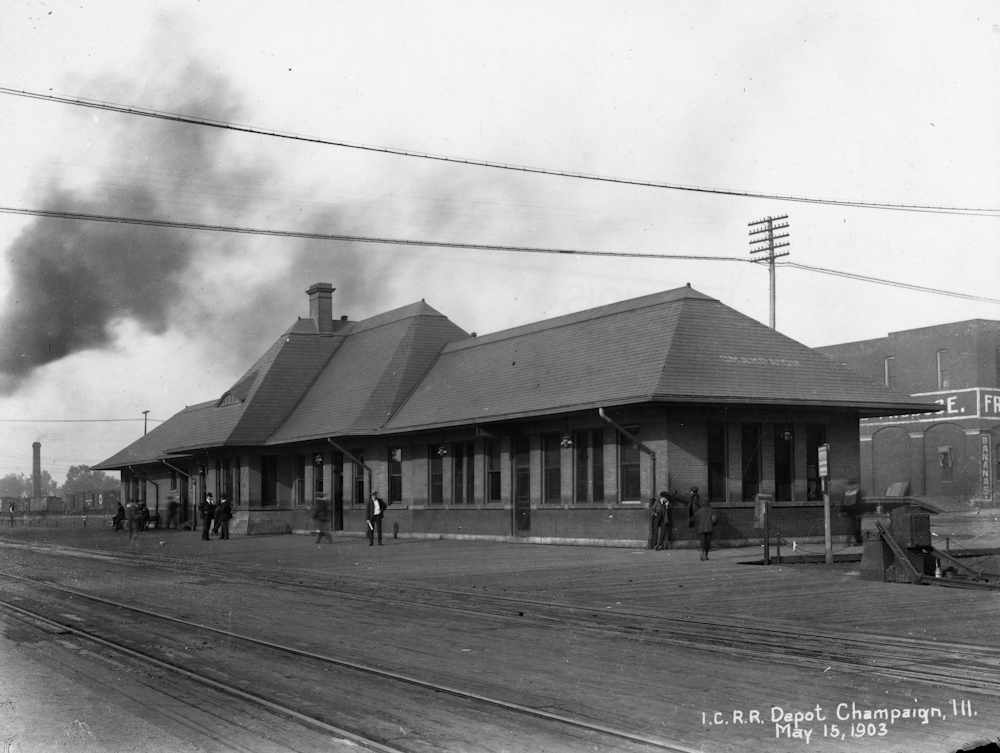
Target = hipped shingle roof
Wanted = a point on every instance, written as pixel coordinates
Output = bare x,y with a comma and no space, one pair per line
412,369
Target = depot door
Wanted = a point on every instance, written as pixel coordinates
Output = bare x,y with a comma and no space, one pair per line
522,486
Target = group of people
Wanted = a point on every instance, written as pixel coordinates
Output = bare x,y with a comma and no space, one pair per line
133,516
215,517
701,517
374,510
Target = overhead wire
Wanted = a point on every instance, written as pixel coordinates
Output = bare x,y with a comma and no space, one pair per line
75,420
890,283
230,126
346,238
80,216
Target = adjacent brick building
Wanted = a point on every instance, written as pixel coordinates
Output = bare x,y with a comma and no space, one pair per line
948,454
557,431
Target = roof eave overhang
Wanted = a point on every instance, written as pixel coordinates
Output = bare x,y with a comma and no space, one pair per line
864,410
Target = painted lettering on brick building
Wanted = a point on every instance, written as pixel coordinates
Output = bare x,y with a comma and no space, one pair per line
986,465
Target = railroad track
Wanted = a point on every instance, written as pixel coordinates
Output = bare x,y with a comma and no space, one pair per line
103,625
964,667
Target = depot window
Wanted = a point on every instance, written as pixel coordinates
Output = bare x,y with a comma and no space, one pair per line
435,474
588,446
716,461
628,466
463,456
492,451
395,474
552,467
358,481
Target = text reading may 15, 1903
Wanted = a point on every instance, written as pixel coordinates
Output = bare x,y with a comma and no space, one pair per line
841,721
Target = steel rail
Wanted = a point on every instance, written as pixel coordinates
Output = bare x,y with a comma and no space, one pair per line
396,676
214,684
786,646
749,637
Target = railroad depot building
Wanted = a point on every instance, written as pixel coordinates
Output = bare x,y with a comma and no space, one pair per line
948,454
559,431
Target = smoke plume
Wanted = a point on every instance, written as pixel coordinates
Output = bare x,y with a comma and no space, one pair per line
71,280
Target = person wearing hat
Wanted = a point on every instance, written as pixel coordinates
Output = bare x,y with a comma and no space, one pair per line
373,514
224,514
207,510
661,522
704,524
694,502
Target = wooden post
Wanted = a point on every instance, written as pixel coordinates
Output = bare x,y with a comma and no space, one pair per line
823,452
826,523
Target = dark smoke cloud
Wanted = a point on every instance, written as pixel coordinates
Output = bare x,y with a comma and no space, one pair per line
71,280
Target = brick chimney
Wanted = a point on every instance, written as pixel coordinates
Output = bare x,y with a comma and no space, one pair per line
36,468
321,306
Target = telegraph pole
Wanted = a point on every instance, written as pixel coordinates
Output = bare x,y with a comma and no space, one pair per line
769,241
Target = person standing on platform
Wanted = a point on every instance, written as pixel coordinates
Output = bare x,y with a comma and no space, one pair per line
661,522
207,510
11,514
119,519
132,519
373,513
704,523
172,513
223,515
694,502
321,514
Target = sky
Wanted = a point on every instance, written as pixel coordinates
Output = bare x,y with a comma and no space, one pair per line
875,102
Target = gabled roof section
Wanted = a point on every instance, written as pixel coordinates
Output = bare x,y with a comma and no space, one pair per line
371,374
155,445
675,346
250,410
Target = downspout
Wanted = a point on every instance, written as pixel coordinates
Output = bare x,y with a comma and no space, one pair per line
143,476
641,446
175,468
354,460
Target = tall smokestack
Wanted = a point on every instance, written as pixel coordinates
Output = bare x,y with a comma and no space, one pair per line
36,466
321,306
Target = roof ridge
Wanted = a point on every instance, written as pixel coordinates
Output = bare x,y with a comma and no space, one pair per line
418,308
677,295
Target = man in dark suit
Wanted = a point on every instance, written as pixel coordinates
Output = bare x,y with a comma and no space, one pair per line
207,510
661,522
223,516
373,514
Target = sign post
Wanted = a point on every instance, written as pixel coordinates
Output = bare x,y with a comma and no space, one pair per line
824,474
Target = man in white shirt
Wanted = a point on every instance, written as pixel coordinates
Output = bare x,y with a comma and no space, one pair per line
373,514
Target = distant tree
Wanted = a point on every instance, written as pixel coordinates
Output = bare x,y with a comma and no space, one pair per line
19,485
49,486
15,485
80,478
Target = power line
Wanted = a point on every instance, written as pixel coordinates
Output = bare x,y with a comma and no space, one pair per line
891,283
346,238
226,125
449,244
72,420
